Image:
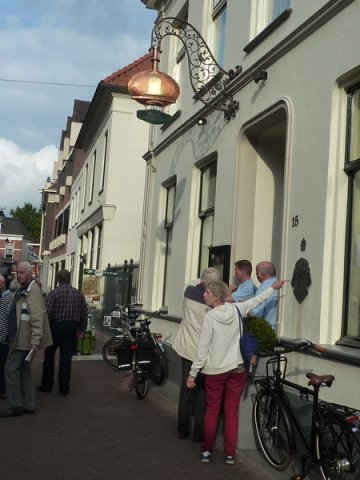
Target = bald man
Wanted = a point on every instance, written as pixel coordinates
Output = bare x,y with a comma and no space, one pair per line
266,274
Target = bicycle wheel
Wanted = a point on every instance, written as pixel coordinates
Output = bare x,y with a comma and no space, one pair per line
140,383
111,351
337,449
272,430
159,368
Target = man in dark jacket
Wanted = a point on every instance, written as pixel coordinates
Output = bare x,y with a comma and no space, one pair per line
67,312
192,401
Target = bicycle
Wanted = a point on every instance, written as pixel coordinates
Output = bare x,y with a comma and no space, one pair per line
136,348
334,443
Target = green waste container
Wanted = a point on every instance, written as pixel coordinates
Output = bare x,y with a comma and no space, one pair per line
87,342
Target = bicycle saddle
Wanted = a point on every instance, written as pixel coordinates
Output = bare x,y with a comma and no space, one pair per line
316,380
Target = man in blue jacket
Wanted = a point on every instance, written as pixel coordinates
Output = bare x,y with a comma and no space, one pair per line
266,274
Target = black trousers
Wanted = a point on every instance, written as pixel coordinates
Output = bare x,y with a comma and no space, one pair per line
65,337
192,401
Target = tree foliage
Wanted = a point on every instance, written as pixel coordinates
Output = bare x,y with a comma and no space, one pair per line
30,216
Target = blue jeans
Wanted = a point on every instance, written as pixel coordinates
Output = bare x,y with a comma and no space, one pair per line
19,384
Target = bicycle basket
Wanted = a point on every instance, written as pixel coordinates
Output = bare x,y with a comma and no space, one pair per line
116,322
350,415
143,353
124,353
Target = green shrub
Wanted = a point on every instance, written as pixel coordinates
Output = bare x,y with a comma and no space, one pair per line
264,333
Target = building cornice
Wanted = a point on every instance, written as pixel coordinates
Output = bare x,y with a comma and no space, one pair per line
301,33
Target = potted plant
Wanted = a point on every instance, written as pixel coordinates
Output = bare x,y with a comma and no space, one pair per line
262,330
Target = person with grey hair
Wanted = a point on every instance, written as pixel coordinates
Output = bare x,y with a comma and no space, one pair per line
5,303
185,343
28,330
218,357
2,285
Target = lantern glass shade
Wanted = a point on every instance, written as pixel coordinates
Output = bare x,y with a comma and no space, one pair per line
152,87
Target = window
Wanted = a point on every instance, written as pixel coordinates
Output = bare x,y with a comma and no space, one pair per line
206,212
72,263
169,227
178,59
105,154
77,202
266,16
69,168
352,168
99,246
9,250
276,7
91,237
92,179
65,227
219,28
85,187
58,225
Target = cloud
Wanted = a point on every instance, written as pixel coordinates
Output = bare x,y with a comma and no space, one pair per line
23,173
72,41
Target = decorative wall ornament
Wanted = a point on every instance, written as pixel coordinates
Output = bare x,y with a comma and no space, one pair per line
303,245
301,279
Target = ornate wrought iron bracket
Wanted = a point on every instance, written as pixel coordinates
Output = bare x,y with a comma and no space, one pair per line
208,79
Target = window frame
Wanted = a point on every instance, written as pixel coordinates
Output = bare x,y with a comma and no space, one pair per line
91,197
351,168
170,186
267,29
104,161
7,255
219,32
205,213
86,172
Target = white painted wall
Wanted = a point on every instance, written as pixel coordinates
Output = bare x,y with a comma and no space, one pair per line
121,199
307,82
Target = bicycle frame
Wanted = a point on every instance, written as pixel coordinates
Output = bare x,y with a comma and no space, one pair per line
136,349
276,382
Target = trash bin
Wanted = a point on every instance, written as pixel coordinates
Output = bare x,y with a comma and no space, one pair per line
86,342
86,347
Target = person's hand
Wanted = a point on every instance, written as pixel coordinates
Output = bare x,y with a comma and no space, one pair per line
278,284
190,382
34,347
253,360
232,288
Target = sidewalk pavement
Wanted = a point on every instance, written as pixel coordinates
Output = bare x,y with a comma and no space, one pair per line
100,430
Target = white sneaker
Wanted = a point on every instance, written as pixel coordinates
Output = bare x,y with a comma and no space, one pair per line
205,457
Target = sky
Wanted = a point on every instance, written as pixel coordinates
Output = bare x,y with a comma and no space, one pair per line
78,42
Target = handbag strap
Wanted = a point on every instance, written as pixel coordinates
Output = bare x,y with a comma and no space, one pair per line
241,326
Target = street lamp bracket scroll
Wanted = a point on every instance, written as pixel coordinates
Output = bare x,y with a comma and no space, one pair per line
208,79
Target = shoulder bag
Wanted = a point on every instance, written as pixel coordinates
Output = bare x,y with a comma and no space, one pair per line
249,345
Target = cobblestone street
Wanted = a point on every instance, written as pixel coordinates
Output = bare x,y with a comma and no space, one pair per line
102,431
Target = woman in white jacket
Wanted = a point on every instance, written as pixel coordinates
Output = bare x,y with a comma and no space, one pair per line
219,359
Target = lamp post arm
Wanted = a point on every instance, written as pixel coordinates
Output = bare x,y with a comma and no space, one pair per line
208,79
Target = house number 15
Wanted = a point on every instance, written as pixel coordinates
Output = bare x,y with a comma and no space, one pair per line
295,221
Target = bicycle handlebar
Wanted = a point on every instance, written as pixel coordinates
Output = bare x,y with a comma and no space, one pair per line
302,344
